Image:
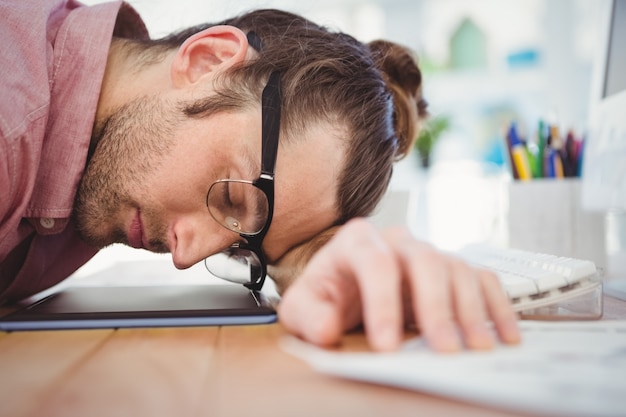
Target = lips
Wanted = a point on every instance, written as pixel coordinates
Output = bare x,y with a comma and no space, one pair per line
135,232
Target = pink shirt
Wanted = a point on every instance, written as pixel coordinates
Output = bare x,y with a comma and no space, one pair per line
53,55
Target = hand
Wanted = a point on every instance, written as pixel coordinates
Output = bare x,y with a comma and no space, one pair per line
386,280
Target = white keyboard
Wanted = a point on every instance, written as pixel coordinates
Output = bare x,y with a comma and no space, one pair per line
534,280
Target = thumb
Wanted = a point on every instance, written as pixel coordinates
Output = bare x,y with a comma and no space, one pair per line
307,314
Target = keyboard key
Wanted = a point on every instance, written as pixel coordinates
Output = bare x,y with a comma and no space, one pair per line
527,276
516,286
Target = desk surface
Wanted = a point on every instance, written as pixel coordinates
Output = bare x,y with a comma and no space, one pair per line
209,371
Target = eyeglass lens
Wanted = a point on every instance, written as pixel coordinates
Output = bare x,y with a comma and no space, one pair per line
238,206
236,265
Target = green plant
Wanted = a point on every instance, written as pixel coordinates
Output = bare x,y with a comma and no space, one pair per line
429,135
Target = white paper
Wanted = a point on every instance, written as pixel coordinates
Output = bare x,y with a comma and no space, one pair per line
561,368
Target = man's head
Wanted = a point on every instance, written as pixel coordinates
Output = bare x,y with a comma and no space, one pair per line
192,116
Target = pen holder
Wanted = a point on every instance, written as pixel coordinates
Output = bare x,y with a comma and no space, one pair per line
545,215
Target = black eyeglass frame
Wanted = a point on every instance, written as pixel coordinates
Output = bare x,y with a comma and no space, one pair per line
270,128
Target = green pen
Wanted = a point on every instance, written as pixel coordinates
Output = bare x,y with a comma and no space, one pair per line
541,144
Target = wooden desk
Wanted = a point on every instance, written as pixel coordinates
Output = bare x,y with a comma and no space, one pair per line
211,371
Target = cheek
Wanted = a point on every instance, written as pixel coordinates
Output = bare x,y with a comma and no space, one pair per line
177,189
182,182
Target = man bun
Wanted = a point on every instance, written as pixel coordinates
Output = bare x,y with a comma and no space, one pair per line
404,79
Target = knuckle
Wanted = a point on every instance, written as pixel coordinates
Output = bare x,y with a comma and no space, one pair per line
431,255
489,277
356,231
399,233
369,250
459,266
358,225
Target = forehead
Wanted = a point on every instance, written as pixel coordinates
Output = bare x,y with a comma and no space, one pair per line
308,168
320,146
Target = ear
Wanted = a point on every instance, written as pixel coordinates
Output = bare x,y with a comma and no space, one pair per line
207,52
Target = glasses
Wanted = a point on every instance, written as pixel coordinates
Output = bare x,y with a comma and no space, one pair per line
247,207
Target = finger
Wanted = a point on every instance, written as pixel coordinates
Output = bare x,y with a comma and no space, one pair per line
318,306
427,277
352,277
374,267
499,308
469,305
310,316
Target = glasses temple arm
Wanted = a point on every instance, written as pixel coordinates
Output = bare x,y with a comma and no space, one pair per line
271,106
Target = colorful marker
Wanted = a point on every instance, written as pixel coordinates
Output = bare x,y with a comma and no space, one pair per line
519,155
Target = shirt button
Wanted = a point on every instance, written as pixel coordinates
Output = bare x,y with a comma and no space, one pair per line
46,222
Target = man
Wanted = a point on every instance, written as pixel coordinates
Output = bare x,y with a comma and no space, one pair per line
259,138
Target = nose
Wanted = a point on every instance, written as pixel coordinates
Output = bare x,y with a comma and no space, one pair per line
192,242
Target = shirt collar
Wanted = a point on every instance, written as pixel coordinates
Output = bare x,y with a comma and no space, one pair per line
80,54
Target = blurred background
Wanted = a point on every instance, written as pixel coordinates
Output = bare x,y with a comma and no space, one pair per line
486,63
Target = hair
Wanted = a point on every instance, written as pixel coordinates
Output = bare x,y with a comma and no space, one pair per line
374,92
